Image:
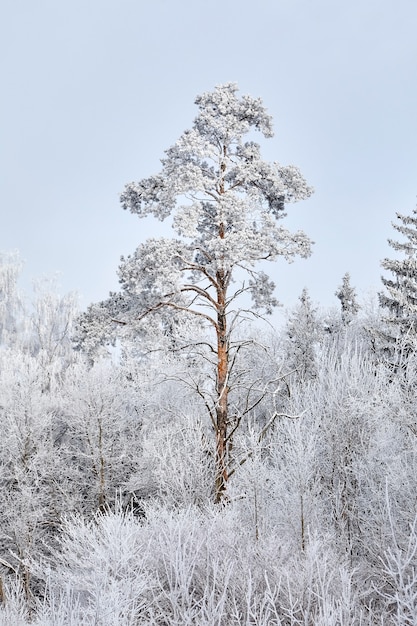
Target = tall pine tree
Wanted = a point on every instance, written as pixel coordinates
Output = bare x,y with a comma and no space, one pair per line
226,204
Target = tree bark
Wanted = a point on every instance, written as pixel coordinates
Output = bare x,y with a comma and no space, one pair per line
221,472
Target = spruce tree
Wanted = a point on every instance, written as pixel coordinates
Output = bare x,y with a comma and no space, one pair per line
302,334
347,296
400,296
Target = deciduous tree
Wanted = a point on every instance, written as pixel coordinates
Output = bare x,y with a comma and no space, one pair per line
11,302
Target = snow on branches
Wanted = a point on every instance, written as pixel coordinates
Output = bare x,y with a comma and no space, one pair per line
224,202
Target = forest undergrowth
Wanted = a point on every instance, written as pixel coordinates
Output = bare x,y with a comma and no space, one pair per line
108,514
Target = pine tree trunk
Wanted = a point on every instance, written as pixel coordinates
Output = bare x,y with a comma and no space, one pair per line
222,364
222,392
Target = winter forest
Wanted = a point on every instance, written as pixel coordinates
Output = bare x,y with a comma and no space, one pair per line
170,457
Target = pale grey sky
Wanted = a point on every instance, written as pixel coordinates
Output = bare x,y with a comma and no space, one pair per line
94,91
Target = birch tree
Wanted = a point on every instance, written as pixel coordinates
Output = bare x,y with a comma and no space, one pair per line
226,204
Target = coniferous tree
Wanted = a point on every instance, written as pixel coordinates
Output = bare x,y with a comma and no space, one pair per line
302,333
226,203
400,296
347,296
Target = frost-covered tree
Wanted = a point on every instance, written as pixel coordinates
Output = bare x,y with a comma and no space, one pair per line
226,204
400,296
49,329
101,430
347,296
11,303
302,333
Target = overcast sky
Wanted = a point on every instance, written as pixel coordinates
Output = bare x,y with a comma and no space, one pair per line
94,91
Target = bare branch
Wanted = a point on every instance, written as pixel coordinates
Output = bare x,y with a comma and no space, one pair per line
262,435
177,307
